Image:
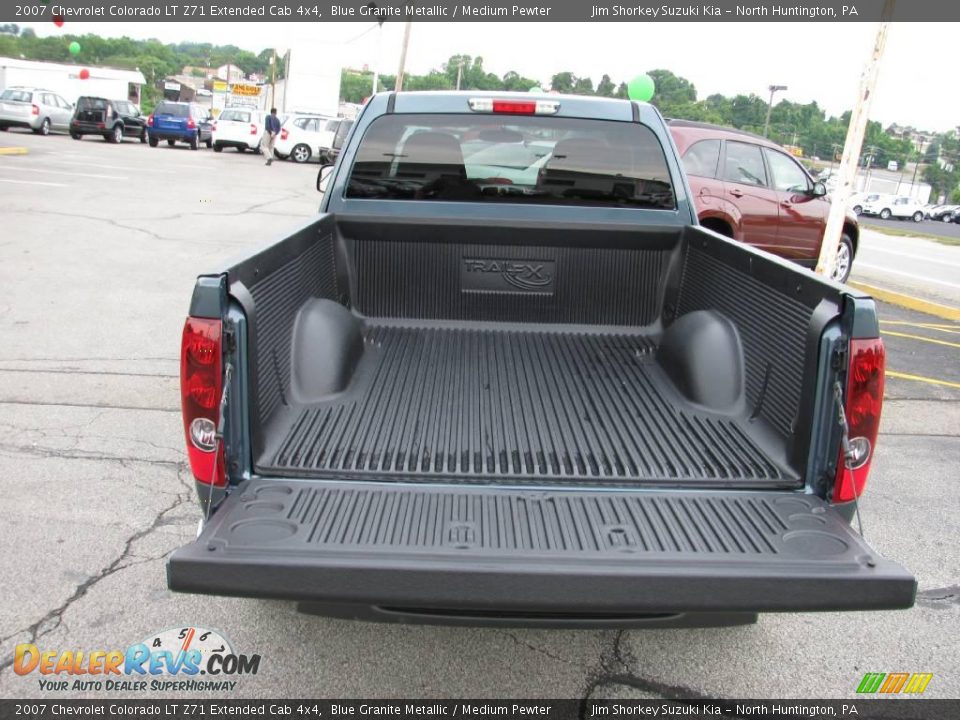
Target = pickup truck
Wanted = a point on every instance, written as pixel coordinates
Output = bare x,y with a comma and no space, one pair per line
504,377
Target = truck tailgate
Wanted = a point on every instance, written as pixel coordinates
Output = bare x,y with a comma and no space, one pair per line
605,551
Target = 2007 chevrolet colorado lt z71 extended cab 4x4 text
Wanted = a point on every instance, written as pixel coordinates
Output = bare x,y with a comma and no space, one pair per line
505,377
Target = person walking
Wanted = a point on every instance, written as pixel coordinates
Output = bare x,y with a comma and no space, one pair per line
273,129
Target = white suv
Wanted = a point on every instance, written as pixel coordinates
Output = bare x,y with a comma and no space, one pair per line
240,128
303,137
35,108
888,206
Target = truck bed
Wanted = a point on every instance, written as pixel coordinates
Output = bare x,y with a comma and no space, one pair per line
378,352
475,403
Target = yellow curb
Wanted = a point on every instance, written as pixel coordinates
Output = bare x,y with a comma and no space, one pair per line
908,301
13,151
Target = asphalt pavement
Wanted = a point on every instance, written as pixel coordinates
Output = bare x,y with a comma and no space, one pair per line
925,227
98,254
916,266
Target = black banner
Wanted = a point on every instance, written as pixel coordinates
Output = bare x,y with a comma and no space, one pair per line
405,709
481,11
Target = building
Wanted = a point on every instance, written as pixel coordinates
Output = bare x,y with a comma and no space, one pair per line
230,73
203,72
921,139
64,79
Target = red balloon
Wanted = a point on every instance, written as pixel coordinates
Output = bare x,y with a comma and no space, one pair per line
84,74
58,20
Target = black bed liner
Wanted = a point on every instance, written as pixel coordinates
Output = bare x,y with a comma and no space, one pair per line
479,404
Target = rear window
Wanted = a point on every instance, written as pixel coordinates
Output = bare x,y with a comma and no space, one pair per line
17,95
172,109
526,159
235,115
87,103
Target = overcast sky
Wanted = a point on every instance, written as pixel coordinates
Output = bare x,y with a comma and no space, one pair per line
819,62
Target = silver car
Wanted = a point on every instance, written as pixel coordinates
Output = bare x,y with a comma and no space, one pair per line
35,108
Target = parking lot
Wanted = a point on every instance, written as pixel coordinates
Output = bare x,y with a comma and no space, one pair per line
99,250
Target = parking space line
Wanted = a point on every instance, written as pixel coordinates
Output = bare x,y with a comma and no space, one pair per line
921,338
116,167
921,378
952,329
17,168
31,182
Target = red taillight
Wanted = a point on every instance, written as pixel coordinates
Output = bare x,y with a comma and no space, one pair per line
201,386
253,129
284,134
862,406
191,125
34,110
150,121
213,128
514,107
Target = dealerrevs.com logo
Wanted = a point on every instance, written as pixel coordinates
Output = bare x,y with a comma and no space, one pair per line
189,659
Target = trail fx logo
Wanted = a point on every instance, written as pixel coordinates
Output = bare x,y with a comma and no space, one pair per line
529,275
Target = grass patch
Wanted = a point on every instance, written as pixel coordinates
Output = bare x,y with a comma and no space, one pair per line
912,233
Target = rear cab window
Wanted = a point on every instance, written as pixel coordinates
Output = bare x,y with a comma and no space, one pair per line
235,115
17,95
172,109
520,159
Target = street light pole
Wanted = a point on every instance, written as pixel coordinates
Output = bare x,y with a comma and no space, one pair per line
851,148
403,56
773,89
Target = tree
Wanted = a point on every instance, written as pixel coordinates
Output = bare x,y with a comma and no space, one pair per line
563,82
583,86
671,91
605,87
9,29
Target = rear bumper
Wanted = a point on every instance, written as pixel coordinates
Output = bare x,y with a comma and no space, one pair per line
83,128
184,135
518,551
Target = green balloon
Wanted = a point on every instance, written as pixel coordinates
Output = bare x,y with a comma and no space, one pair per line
641,88
74,48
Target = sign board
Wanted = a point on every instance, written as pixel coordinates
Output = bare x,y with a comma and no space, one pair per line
219,86
175,86
246,90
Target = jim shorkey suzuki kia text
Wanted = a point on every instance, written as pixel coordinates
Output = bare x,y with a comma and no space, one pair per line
504,377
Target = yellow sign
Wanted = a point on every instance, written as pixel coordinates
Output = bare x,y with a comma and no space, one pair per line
219,86
246,90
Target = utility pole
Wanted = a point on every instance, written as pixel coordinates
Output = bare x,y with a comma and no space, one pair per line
403,56
459,71
773,89
376,61
273,80
851,148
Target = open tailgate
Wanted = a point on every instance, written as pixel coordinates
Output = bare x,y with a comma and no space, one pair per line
535,550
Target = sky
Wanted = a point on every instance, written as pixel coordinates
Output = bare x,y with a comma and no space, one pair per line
821,61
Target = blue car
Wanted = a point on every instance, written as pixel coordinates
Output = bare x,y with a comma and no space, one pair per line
180,122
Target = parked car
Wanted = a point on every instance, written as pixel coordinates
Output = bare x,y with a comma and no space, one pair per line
40,110
559,400
752,190
180,122
899,207
304,137
943,213
111,119
856,200
240,128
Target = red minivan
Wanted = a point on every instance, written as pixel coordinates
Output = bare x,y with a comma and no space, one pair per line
754,191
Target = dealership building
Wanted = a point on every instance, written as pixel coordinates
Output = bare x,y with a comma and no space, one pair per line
64,79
